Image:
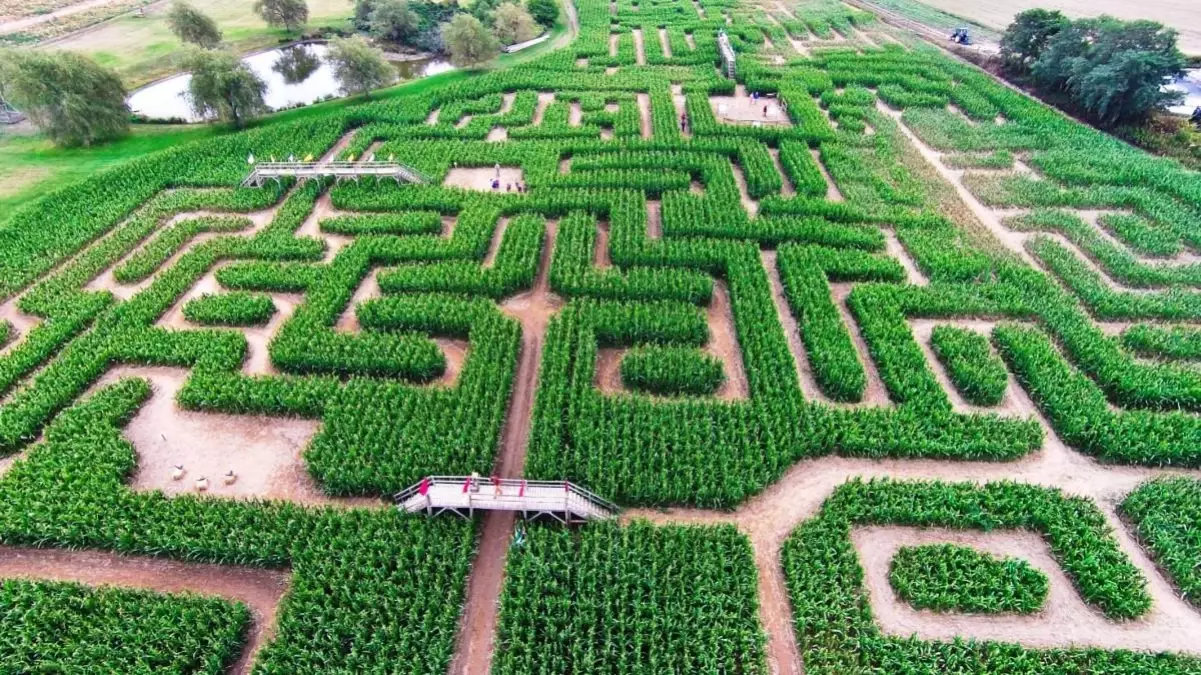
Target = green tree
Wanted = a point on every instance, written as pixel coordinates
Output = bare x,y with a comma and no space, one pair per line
66,95
1113,70
296,64
289,14
513,24
362,14
193,26
1027,37
393,20
468,41
358,66
545,12
223,86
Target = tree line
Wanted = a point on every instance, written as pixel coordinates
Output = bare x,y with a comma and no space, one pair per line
1110,71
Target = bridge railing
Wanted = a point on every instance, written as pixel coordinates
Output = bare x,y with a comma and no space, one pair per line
539,495
265,170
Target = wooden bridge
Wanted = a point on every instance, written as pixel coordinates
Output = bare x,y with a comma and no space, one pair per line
277,171
464,495
728,59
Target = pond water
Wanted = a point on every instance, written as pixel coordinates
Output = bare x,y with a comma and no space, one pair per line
295,75
1190,85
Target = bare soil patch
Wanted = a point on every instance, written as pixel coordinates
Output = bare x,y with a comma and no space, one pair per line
544,100
263,452
786,188
480,178
895,249
644,114
741,108
751,206
833,194
654,219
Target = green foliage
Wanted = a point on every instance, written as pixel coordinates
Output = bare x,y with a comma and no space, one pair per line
672,371
1027,37
1110,69
69,627
976,372
357,65
582,602
68,96
469,42
512,23
223,86
1166,513
951,578
391,20
545,12
835,630
230,309
192,26
289,14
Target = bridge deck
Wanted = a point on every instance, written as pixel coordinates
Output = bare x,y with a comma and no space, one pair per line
265,171
464,495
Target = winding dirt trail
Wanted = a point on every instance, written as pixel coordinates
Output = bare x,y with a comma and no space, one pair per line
259,589
474,642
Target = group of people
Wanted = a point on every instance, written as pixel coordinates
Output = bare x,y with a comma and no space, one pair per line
755,100
521,187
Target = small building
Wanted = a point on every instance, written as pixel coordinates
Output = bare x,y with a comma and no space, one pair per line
727,54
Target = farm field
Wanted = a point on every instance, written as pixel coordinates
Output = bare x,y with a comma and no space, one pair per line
890,368
1178,14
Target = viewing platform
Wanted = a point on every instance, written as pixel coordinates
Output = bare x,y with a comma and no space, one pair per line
277,171
464,495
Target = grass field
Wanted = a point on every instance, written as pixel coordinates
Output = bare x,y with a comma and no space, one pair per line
888,367
142,49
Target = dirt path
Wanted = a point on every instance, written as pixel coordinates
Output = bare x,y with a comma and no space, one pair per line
654,219
751,206
1064,621
833,194
786,188
545,98
1014,241
20,24
477,629
664,43
644,114
723,344
680,101
259,589
639,48
896,250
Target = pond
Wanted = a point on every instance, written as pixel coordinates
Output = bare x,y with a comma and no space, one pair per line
295,75
1190,85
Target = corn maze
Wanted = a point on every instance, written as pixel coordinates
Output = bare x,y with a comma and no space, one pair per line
892,368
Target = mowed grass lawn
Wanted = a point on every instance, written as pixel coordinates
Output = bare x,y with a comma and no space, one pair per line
31,165
142,49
